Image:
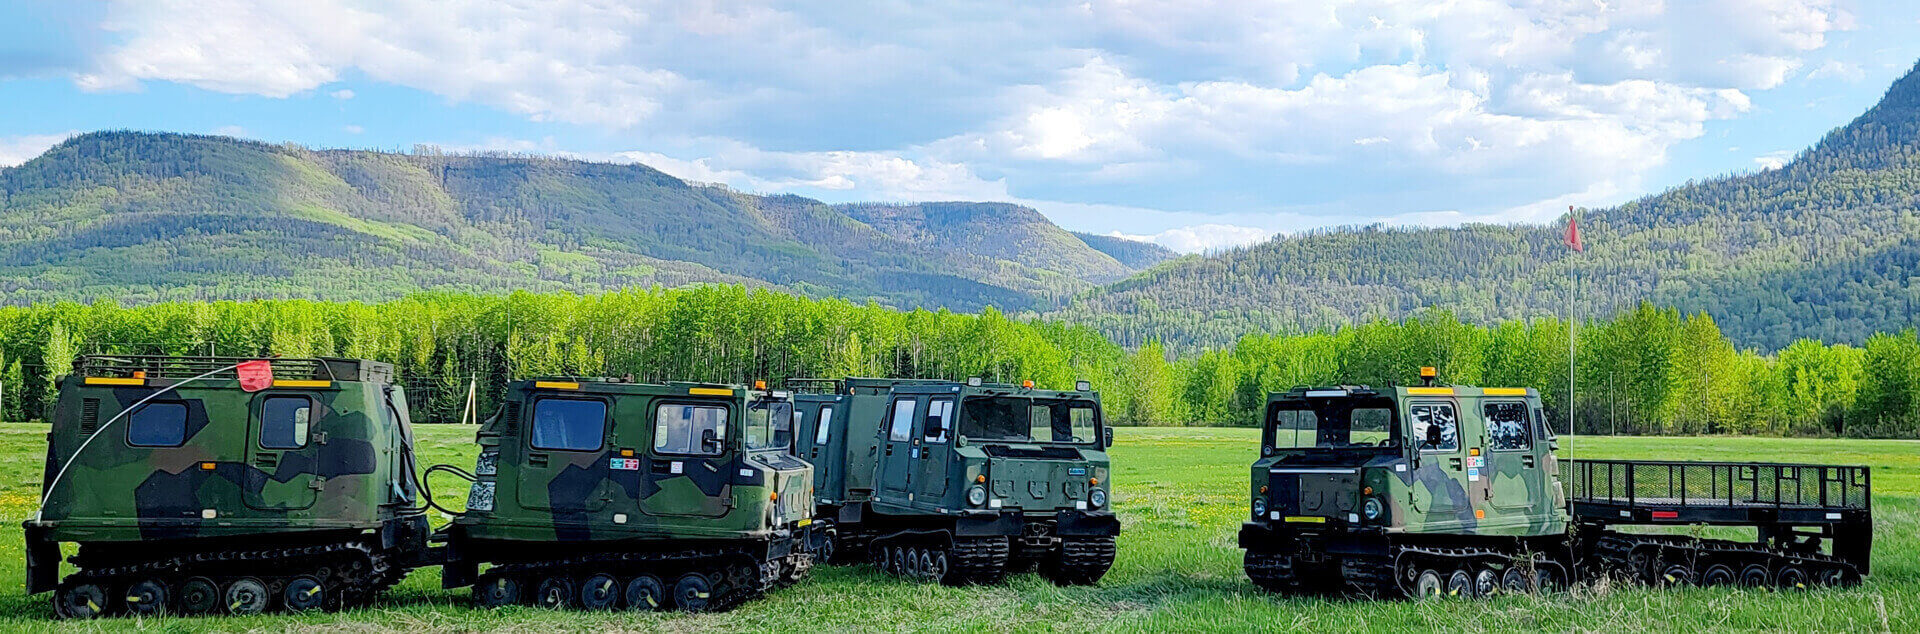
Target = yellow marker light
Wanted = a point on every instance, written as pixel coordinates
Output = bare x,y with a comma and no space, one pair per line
1366,491
556,385
804,522
1479,514
106,380
760,384
295,383
982,478
1306,519
1027,384
1093,481
1430,391
775,496
1263,488
139,374
626,453
1473,451
710,391
1505,391
1427,372
206,466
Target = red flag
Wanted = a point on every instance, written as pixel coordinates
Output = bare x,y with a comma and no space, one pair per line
1573,232
255,375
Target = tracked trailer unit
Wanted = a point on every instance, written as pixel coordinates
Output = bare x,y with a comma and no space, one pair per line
962,482
600,494
1450,490
201,485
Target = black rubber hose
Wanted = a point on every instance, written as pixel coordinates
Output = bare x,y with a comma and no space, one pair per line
426,487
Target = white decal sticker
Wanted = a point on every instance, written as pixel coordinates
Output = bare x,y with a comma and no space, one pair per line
1275,515
619,518
677,467
1400,468
746,473
1080,506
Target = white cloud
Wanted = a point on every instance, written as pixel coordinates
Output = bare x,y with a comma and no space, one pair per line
230,130
15,150
1775,160
352,129
342,94
1202,238
1837,69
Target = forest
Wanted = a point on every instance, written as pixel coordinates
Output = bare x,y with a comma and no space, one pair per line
1649,370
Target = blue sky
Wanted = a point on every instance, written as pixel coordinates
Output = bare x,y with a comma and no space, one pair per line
1197,125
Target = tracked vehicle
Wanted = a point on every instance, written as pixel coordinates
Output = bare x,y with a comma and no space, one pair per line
962,482
600,494
1448,490
201,485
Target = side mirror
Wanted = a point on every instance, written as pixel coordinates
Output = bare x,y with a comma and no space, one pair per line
709,442
1106,437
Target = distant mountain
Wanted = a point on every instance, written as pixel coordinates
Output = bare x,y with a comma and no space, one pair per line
1132,253
1827,247
141,217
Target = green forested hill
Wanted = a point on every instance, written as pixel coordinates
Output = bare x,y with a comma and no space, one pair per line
142,217
1827,247
1138,255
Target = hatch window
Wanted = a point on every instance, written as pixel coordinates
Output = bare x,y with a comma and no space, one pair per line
826,423
1435,428
569,424
901,430
769,425
678,428
284,422
158,425
939,419
1507,428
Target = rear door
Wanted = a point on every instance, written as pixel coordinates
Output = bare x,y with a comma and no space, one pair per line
899,450
936,452
284,455
1435,434
1514,471
565,470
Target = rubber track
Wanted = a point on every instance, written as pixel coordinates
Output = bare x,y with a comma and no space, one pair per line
738,591
369,571
977,560
1616,549
1272,572
1080,561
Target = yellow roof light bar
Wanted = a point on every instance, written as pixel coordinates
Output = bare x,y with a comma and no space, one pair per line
710,391
1430,391
107,380
1505,391
557,385
296,383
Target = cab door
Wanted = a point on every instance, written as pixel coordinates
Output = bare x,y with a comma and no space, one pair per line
564,467
899,450
689,468
936,453
284,450
1436,439
1515,473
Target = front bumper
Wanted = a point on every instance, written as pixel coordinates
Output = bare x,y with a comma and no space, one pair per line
1069,522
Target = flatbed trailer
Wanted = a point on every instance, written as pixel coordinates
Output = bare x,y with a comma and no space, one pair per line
1813,523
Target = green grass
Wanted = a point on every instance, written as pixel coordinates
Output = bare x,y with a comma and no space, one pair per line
1179,493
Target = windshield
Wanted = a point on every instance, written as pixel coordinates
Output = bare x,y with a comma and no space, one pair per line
769,424
1331,423
1026,419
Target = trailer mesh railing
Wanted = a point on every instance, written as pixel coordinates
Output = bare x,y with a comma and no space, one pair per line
1726,484
179,367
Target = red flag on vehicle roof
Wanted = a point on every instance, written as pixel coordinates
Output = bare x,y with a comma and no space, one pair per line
1573,231
255,375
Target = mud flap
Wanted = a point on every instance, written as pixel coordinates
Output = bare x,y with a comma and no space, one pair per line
987,525
43,560
1078,524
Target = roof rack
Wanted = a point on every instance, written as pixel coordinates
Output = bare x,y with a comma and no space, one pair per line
814,386
186,367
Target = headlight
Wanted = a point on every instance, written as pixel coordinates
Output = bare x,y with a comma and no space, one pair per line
1372,509
1097,498
1259,506
977,495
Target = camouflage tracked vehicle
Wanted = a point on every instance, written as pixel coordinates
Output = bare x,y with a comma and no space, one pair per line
192,487
599,494
1439,490
963,482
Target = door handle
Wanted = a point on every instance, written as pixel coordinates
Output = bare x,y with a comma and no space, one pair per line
266,460
537,459
1454,463
1526,461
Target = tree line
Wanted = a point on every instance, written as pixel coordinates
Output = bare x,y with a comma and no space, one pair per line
1650,370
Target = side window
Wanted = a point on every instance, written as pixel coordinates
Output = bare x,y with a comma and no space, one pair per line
902,428
1081,417
568,424
679,428
1507,428
1435,428
284,422
1546,428
939,420
826,423
1040,423
158,425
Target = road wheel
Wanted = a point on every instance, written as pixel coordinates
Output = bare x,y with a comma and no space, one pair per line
600,592
1486,582
246,595
692,592
80,600
146,597
899,558
1460,585
1791,577
1429,585
645,592
1518,580
199,595
911,565
496,591
884,559
555,592
1837,577
303,593
1719,575
937,567
1674,575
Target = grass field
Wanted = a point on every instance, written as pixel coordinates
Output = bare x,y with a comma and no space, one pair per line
1180,494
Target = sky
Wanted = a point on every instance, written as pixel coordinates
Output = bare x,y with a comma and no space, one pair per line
1197,125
